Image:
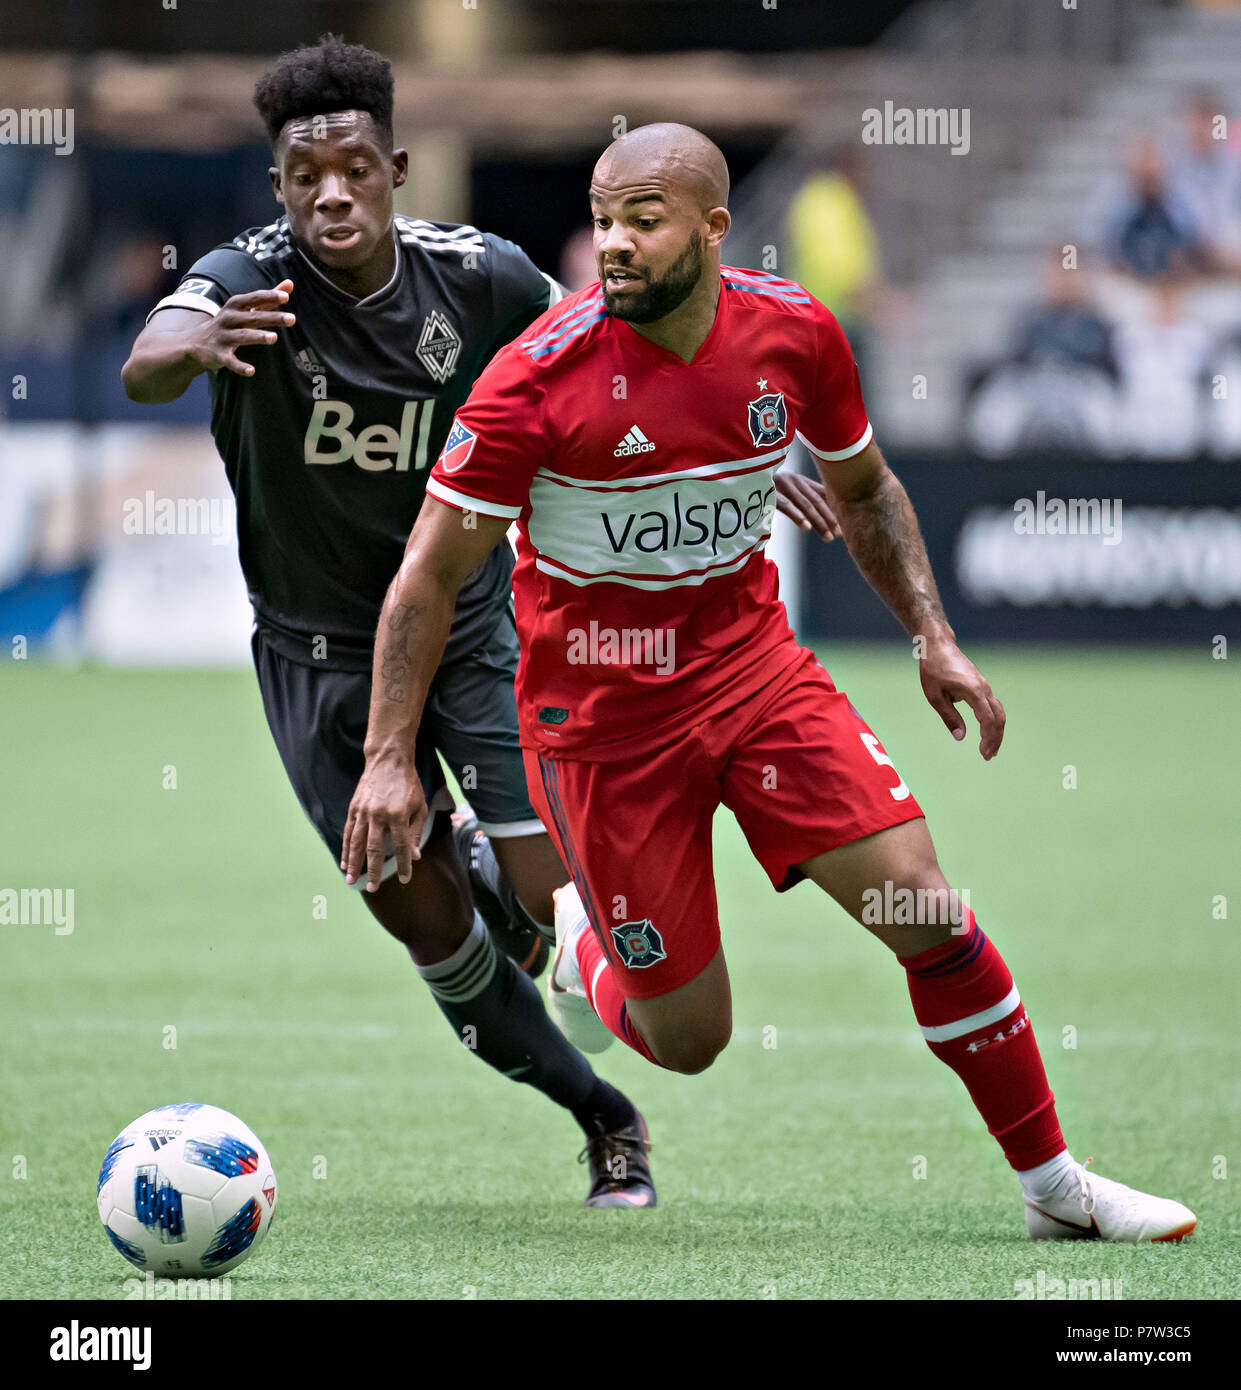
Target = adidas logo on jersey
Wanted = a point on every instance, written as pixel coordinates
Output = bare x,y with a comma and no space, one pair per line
635,442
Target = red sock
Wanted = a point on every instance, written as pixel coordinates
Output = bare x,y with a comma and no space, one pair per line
972,1018
604,996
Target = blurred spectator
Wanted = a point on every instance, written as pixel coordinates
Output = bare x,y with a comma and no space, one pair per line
1042,407
1222,400
1152,234
129,281
1163,360
1204,176
122,282
833,248
1056,390
578,267
1066,328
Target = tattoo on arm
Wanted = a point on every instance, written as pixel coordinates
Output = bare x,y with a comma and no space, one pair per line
882,534
395,660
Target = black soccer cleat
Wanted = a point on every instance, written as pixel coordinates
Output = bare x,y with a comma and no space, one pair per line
510,927
620,1175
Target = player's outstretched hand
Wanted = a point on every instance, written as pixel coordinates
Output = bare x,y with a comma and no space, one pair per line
949,676
388,803
804,501
244,319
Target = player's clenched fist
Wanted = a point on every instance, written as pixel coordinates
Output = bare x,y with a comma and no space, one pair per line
388,804
244,319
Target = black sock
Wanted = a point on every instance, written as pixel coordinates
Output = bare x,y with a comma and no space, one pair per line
604,1110
496,1011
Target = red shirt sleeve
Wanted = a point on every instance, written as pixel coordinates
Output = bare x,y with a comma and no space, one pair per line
496,443
835,426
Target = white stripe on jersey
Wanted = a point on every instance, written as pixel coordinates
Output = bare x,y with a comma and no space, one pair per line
457,247
186,300
835,456
708,470
470,504
425,232
415,232
419,226
683,582
675,529
267,241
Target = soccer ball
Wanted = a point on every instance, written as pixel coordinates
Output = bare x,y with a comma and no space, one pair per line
186,1191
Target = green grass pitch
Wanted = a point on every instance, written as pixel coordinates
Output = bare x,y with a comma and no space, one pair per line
791,1169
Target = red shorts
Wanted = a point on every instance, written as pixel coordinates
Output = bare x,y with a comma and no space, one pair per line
796,764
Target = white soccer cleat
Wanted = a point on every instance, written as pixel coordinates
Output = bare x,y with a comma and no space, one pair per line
1086,1206
566,995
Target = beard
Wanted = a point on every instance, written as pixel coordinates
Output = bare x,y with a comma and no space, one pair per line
661,296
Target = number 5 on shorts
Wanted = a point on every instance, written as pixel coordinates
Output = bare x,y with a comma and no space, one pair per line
900,791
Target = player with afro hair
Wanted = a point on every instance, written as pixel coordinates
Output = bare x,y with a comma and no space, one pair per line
331,75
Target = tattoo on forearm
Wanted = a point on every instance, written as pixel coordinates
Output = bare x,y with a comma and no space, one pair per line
883,538
395,660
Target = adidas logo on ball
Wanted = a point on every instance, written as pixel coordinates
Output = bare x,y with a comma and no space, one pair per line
635,442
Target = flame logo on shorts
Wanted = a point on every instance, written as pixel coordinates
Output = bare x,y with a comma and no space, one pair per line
638,944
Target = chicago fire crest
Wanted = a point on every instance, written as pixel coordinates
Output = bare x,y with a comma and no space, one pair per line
769,420
638,944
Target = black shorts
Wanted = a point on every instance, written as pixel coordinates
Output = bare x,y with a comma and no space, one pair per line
318,719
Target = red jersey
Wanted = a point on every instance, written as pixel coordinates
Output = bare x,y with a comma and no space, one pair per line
643,491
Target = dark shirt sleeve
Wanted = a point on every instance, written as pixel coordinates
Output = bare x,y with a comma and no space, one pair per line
213,279
520,291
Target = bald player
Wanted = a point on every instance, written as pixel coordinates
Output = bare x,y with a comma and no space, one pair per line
632,434
339,341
